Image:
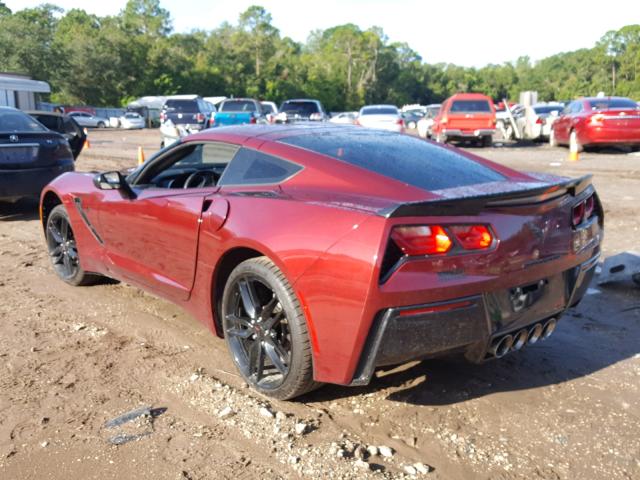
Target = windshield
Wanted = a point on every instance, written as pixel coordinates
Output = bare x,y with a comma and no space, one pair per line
548,109
467,106
182,106
402,157
14,121
612,103
379,111
304,109
238,106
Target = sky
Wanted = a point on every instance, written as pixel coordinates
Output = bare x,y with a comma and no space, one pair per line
464,32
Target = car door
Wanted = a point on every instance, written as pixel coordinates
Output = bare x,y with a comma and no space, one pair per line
152,240
561,125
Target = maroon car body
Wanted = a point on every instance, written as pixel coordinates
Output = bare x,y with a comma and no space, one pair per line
343,212
598,121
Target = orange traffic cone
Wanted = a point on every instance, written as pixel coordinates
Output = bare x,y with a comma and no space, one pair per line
86,145
574,155
140,156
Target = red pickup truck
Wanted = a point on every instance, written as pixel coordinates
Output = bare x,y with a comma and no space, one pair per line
466,116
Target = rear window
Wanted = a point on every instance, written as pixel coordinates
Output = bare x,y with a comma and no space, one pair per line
238,106
548,109
612,103
402,157
468,106
181,106
379,111
52,122
304,109
14,121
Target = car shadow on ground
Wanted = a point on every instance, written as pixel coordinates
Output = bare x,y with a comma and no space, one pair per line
602,331
22,210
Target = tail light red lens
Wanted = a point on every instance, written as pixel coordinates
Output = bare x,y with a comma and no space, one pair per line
252,120
399,122
422,240
589,205
577,214
473,237
199,117
539,121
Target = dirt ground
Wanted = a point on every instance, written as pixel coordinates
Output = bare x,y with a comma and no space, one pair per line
73,358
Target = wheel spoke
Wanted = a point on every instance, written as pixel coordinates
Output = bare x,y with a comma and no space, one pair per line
64,230
275,354
256,360
56,252
271,322
267,310
249,297
239,321
55,233
239,332
67,263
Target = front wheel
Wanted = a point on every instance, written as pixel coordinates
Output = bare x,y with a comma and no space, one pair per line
266,331
63,250
441,138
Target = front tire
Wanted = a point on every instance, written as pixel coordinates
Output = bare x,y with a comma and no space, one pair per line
266,331
63,250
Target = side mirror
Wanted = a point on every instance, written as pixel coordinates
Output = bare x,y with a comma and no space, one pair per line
114,181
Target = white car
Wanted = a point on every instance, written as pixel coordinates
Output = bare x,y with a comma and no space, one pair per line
131,120
534,123
344,118
85,119
381,117
425,123
269,110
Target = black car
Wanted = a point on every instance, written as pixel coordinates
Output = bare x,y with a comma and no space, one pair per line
190,111
31,155
301,109
64,125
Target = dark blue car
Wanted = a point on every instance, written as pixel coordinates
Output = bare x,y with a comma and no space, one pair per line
30,155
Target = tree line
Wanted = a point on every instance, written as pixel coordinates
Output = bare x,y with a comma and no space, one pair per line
108,61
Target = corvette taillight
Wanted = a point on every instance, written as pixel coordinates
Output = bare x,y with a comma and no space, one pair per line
583,210
422,240
473,237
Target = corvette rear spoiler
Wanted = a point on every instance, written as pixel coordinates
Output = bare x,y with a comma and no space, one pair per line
472,205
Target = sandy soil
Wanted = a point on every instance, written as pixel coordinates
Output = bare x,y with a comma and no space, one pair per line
73,358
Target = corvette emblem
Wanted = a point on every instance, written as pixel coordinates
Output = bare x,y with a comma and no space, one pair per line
13,138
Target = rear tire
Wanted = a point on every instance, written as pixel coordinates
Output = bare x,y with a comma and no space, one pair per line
63,251
266,331
487,141
101,125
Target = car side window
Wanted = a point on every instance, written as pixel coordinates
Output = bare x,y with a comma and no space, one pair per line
251,167
209,160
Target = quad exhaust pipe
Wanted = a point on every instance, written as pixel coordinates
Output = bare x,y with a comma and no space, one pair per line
512,342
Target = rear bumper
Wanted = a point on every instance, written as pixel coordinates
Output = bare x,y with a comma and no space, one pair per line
611,136
29,182
468,325
457,133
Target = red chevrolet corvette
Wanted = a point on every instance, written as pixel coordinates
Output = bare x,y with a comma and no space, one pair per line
320,253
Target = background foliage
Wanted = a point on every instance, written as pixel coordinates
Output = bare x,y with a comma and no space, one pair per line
105,61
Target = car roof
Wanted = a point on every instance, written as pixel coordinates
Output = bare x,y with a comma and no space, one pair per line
302,100
43,112
470,96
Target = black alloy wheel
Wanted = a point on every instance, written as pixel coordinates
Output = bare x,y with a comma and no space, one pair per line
265,330
63,250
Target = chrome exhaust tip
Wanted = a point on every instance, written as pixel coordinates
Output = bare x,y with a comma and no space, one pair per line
549,328
534,334
501,346
520,339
